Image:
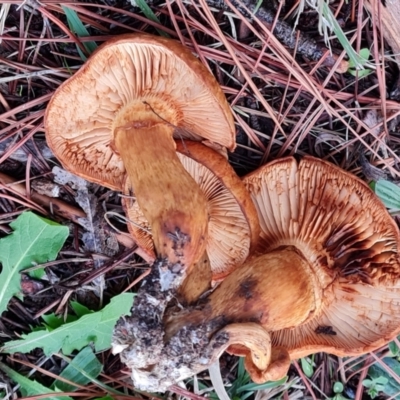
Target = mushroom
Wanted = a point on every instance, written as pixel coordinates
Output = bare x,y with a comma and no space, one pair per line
325,275
351,244
233,227
118,115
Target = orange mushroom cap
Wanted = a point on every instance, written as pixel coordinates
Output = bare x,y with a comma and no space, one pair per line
351,243
121,77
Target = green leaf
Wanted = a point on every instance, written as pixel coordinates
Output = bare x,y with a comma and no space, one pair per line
389,193
372,185
263,386
77,27
52,321
338,387
29,387
372,393
307,367
242,373
381,380
391,388
148,12
362,58
96,327
364,54
257,7
394,349
35,240
38,273
360,73
80,309
81,370
367,383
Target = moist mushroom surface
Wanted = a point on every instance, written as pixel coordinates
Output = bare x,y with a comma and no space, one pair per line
118,115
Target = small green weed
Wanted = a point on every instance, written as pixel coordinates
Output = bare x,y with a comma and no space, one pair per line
379,380
76,333
354,68
328,22
307,367
338,389
375,385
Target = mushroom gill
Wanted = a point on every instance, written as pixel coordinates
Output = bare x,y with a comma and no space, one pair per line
117,115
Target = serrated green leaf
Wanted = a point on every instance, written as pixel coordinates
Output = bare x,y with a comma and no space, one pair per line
81,370
29,387
52,321
96,327
389,193
35,240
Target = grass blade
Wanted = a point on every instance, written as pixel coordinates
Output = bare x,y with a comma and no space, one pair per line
148,12
77,27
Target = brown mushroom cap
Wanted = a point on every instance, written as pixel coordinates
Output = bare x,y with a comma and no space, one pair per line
120,79
352,244
233,228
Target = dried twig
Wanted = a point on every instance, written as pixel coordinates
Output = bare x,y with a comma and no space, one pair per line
56,206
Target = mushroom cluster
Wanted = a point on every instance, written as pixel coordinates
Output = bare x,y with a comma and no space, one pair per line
295,258
325,276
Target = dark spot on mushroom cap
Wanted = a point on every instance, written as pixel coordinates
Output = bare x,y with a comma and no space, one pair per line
246,288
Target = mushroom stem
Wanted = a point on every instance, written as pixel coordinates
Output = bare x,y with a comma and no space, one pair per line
170,199
264,363
277,290
256,340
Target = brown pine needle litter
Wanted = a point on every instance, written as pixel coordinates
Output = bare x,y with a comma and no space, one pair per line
292,92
